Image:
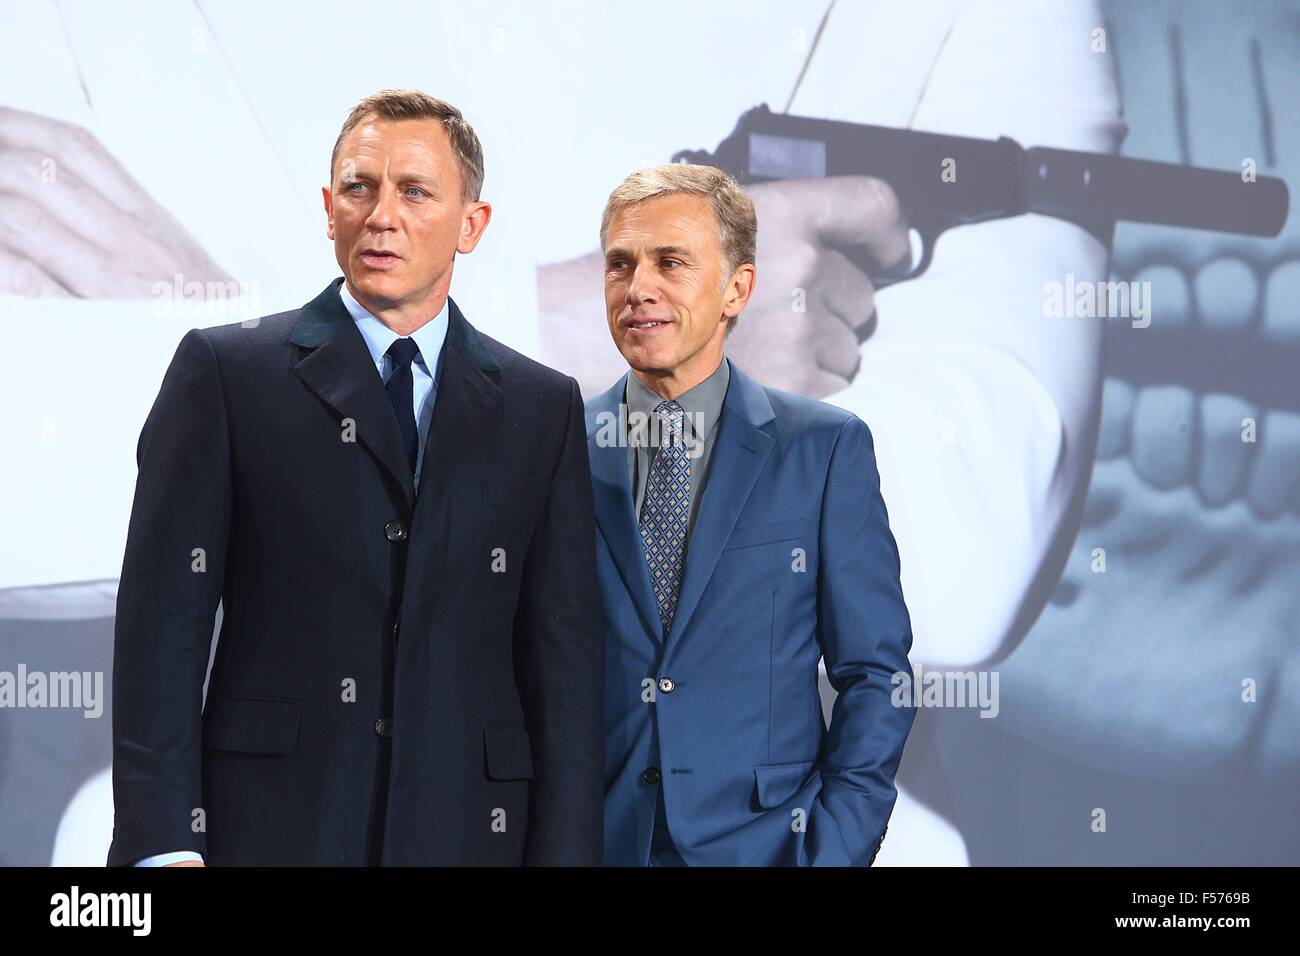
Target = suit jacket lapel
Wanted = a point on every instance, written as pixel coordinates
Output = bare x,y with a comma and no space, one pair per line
466,412
340,370
612,490
465,433
742,445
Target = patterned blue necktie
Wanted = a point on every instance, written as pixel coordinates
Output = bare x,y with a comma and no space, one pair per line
666,510
401,393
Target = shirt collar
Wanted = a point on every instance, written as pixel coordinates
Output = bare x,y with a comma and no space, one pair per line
703,400
429,337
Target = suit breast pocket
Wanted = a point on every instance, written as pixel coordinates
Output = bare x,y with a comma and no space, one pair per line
252,725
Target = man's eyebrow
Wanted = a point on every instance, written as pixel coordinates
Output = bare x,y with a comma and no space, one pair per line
418,178
657,250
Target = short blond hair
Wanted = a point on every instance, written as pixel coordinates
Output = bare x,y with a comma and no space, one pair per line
733,210
414,104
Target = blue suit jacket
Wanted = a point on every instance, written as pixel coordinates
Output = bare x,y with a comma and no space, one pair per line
791,558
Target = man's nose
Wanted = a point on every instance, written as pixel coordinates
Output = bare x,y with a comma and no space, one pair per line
641,287
384,214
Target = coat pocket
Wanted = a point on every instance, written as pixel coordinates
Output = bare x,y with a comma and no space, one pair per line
775,783
508,753
748,536
254,725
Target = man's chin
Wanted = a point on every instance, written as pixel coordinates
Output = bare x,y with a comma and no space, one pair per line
649,365
377,287
650,360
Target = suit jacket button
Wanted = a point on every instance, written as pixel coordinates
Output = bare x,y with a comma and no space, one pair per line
395,530
666,684
651,775
384,727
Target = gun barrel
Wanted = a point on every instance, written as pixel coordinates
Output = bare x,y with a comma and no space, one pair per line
945,181
1064,183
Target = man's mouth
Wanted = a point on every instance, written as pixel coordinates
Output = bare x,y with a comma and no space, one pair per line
646,325
379,258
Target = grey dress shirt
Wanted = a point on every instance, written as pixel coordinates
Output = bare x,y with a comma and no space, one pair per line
703,407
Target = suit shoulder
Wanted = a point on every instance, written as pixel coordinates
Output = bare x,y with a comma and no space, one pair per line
231,338
520,371
800,415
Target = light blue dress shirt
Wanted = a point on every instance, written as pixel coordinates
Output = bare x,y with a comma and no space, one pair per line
430,338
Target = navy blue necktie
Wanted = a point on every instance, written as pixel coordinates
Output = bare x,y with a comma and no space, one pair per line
401,393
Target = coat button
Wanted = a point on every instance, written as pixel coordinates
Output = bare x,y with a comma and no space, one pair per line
651,775
384,727
395,530
666,684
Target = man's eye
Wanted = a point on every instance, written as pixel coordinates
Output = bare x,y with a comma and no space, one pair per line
415,189
352,187
616,263
670,263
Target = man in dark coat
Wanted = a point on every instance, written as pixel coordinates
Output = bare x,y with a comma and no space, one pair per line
395,513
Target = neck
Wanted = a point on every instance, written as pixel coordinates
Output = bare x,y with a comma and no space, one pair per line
676,382
405,317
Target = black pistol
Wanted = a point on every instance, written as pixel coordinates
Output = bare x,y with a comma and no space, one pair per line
994,179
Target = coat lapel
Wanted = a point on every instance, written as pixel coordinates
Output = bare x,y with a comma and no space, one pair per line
742,444
466,409
466,412
612,490
340,370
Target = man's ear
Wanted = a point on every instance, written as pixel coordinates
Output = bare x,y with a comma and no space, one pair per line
739,289
329,210
475,220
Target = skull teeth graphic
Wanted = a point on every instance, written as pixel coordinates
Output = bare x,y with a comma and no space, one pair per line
1139,665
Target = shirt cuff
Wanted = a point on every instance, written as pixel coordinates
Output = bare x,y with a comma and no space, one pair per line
162,859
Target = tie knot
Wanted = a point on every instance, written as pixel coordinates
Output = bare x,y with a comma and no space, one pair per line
671,416
402,352
669,411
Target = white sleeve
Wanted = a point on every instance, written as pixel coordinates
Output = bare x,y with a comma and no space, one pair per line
984,408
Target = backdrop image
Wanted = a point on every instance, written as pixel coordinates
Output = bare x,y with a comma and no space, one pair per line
1082,388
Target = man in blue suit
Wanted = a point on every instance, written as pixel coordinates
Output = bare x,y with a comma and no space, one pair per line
742,537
